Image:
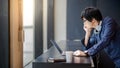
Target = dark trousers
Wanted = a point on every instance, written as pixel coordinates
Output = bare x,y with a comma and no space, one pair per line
102,60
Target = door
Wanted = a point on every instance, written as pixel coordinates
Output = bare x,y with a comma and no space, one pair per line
16,34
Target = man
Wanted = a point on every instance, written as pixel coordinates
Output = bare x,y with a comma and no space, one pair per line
101,34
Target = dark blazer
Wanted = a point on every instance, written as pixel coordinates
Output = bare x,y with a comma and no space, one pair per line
108,39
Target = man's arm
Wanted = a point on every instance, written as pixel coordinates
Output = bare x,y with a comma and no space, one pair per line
87,35
109,33
85,42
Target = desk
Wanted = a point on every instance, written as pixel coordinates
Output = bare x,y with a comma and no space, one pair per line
83,62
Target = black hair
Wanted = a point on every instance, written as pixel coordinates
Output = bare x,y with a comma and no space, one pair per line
90,13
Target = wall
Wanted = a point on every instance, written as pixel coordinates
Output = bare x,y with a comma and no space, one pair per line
45,2
38,28
4,34
74,23
50,22
60,19
110,8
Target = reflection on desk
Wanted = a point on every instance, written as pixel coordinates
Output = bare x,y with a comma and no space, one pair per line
42,60
81,60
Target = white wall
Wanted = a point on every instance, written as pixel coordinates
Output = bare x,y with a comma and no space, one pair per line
45,25
60,19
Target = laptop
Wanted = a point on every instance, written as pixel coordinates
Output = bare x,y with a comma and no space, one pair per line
69,47
59,49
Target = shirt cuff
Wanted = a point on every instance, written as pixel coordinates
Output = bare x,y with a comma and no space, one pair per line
86,52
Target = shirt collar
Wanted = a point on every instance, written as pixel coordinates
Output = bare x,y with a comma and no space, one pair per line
98,28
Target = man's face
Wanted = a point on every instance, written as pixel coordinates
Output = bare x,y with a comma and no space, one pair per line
87,24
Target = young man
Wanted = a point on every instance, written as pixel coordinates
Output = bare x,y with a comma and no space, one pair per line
100,34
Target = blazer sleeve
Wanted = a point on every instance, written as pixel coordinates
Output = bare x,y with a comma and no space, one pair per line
109,31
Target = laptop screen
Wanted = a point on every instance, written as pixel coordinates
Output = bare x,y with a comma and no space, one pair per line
55,44
68,46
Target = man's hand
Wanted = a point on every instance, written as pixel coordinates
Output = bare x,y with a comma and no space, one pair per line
79,53
87,29
88,34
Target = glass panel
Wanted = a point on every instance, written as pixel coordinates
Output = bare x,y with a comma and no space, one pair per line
28,21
